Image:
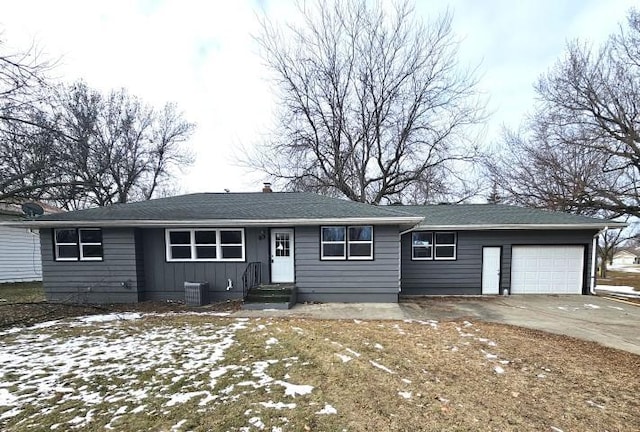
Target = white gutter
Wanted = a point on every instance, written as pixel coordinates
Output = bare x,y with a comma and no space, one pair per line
528,226
411,220
594,251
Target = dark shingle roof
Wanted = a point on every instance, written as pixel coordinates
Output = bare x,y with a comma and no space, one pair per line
298,207
497,215
233,206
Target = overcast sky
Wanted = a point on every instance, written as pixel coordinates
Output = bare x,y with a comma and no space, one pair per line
201,55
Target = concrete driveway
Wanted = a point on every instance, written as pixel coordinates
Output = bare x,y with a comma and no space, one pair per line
609,322
612,323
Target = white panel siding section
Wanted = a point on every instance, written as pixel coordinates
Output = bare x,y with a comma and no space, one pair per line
19,255
347,280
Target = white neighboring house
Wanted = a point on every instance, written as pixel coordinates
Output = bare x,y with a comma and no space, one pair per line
20,259
626,257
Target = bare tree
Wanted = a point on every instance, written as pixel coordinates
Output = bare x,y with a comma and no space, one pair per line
580,149
120,149
28,157
373,104
77,147
538,168
608,243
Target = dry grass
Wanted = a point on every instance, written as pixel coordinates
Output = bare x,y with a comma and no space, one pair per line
440,377
619,278
23,292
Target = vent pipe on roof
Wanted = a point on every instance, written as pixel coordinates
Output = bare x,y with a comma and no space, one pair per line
267,187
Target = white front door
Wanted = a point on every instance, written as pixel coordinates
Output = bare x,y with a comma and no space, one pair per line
282,257
491,270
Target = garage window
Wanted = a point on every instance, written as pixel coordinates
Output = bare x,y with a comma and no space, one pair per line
427,245
445,246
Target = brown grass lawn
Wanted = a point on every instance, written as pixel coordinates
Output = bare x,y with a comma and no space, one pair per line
619,278
21,292
377,375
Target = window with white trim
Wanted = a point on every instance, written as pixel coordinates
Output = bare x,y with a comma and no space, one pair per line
444,245
436,245
422,245
78,244
205,244
360,242
346,242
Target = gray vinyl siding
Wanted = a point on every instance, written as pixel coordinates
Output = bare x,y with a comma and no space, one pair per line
165,280
375,280
464,275
139,261
112,280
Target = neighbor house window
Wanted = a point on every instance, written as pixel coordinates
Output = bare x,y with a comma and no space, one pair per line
346,242
78,244
205,244
433,245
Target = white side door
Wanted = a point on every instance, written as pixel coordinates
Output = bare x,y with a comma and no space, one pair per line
491,270
282,255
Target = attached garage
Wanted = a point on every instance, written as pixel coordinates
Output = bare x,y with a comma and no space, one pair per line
547,269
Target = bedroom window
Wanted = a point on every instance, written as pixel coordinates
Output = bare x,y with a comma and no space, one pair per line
78,244
361,242
346,242
433,245
205,244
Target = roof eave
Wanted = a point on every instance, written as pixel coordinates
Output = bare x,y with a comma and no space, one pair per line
408,221
480,227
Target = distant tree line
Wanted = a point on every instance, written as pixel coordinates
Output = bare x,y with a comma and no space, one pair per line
76,147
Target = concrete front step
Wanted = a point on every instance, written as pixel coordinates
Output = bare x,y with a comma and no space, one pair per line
273,296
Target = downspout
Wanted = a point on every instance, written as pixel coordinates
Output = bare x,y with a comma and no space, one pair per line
594,259
400,254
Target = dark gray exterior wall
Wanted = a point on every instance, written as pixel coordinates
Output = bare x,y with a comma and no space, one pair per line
165,280
115,279
464,275
347,281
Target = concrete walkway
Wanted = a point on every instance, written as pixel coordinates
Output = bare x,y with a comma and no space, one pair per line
612,323
371,311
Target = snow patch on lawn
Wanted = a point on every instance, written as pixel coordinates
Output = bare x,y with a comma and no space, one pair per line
119,367
344,358
278,405
295,389
381,367
328,409
271,341
110,317
405,395
617,288
352,352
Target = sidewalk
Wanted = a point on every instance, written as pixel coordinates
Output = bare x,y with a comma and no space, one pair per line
362,311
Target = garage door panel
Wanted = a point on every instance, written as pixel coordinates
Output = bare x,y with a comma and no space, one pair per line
547,269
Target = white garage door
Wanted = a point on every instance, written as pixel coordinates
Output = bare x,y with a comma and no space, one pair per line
547,269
